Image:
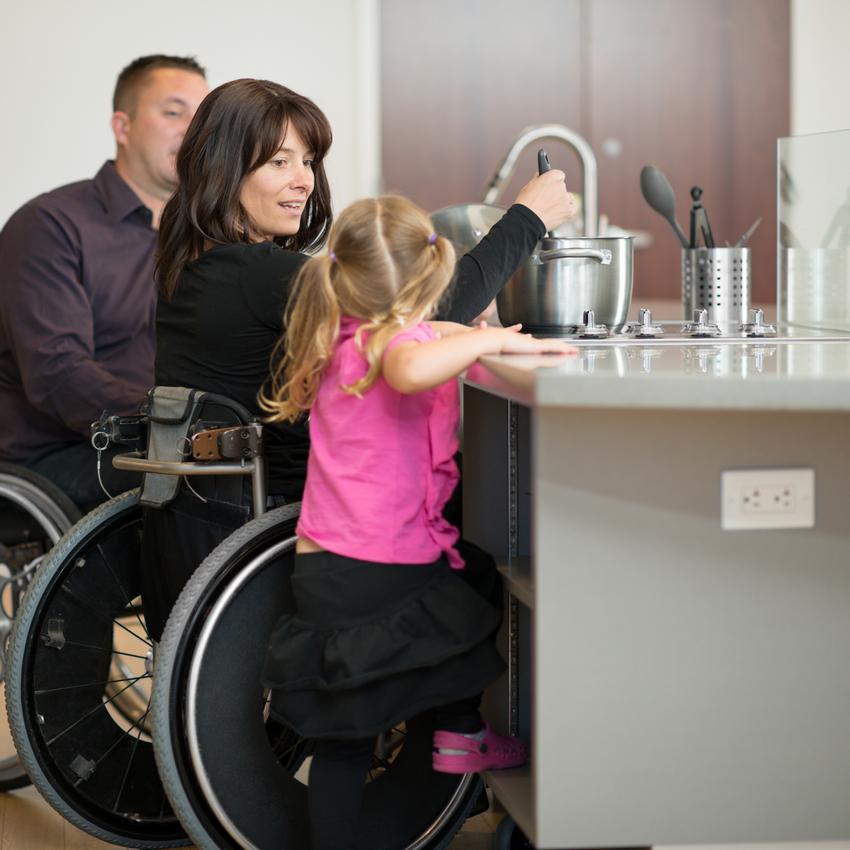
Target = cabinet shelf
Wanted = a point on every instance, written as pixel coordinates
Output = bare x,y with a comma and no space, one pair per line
512,788
518,581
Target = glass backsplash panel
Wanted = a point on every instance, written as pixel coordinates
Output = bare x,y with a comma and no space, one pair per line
814,230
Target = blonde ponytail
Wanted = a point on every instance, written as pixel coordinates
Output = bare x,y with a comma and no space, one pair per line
386,267
311,321
416,301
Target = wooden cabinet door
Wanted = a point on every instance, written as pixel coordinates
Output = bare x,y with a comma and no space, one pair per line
461,80
698,88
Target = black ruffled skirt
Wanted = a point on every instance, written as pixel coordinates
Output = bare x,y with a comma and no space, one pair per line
371,645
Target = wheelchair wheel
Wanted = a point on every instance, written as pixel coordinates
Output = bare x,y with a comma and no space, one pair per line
34,513
234,776
78,684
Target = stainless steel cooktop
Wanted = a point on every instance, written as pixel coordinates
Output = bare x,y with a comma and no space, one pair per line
647,331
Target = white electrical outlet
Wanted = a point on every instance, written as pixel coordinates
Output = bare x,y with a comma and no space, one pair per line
767,498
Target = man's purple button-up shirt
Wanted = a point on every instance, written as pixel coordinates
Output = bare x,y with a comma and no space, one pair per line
77,305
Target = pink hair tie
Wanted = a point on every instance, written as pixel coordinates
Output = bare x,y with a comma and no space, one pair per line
332,256
432,239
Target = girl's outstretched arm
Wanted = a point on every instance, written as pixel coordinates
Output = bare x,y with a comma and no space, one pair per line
413,367
448,328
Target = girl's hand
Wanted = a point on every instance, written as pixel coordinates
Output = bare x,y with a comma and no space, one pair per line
508,341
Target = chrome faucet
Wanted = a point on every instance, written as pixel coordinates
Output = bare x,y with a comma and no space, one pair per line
573,141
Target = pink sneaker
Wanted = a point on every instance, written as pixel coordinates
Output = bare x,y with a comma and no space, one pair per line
491,752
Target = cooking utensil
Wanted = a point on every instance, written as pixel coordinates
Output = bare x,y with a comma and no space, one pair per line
699,220
566,277
748,233
658,193
542,167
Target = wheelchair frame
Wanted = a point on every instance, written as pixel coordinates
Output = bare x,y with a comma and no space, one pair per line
184,782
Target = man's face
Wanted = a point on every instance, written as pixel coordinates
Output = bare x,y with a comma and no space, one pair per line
149,135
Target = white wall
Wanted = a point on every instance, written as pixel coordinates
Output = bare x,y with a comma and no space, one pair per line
820,66
59,61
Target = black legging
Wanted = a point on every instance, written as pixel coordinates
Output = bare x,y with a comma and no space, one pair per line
338,777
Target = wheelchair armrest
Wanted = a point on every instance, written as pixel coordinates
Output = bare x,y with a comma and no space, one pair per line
137,462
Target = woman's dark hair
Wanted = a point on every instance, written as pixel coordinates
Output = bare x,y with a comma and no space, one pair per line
238,127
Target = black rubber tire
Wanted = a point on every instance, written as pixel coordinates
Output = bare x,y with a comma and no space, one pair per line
238,592
29,493
66,508
83,587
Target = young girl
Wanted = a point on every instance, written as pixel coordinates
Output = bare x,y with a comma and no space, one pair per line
384,627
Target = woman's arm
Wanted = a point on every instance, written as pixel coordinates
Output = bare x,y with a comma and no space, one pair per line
542,204
412,367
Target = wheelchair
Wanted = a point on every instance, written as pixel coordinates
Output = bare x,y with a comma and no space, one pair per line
151,744
235,777
34,513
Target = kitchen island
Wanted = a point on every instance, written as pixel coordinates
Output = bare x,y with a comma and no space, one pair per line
680,683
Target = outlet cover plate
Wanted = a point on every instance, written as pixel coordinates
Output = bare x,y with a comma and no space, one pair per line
767,498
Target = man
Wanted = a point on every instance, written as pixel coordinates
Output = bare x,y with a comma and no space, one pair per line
77,297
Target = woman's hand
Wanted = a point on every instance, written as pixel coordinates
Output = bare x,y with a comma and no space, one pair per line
547,197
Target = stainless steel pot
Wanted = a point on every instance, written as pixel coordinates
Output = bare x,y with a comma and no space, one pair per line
550,293
566,276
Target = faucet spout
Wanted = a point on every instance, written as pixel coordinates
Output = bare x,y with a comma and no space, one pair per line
572,140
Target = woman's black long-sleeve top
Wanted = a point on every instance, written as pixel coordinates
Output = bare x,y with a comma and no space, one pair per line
218,331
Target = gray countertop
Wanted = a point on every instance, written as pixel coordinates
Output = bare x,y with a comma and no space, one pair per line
762,375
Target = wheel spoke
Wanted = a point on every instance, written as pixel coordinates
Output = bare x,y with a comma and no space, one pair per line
124,733
286,755
127,599
127,769
105,617
98,648
88,714
84,685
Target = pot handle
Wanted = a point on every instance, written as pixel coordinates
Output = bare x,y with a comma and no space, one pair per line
602,255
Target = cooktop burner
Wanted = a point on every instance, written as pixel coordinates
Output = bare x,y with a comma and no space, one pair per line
647,331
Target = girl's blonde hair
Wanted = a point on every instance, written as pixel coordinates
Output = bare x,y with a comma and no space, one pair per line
386,266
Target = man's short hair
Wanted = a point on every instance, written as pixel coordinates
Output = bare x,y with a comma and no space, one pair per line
131,78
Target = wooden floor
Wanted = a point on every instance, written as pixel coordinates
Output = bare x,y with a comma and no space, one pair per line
28,823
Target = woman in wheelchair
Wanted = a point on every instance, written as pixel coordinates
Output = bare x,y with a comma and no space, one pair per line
253,197
384,625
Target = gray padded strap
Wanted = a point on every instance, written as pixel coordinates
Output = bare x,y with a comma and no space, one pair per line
171,412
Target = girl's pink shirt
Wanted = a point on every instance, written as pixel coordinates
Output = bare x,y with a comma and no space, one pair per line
381,467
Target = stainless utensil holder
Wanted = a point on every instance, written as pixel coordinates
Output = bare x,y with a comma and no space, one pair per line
716,280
